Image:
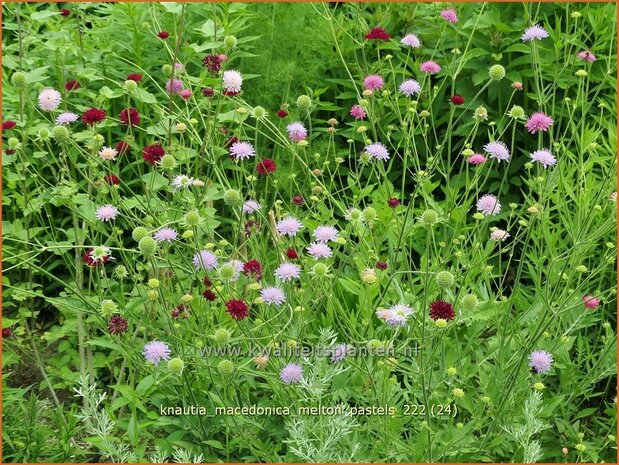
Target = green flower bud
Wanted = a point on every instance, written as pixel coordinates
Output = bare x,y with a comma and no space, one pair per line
232,198
147,246
153,283
139,233
19,79
108,308
60,133
320,270
192,218
166,69
429,217
121,272
222,336
581,73
225,367
496,72
469,302
131,86
369,214
259,112
354,214
516,112
230,41
13,142
444,279
304,102
168,162
176,365
43,133
227,272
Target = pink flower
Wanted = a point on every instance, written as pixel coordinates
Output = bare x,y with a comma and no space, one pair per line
358,112
499,235
173,86
410,87
232,81
185,94
586,55
534,33
497,150
545,157
107,213
430,67
242,151
319,250
538,122
488,205
377,151
373,82
49,99
296,132
591,301
411,40
477,159
450,15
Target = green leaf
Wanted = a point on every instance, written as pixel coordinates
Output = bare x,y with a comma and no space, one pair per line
154,181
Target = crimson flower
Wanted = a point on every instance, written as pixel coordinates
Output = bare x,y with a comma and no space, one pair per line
282,113
237,309
72,85
112,179
117,325
163,35
457,99
129,117
393,202
298,200
253,267
134,77
122,148
381,265
209,295
153,153
64,12
292,254
208,92
8,124
442,310
93,115
265,167
377,33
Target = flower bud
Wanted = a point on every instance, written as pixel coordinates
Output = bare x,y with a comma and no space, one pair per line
496,72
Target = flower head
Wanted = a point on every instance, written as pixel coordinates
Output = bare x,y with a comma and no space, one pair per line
591,301
411,40
586,55
545,157
251,206
93,116
182,181
265,167
477,159
156,351
153,153
253,267
134,77
488,205
296,132
325,234
450,15
457,99
273,296
163,34
49,99
108,153
540,361
289,226
232,81
373,82
205,260
377,151
66,118
538,122
358,112
534,33
106,213
129,117
173,86
377,33
237,309
410,87
497,150
499,235
442,310
165,235
319,250
291,373
430,67
242,150
287,271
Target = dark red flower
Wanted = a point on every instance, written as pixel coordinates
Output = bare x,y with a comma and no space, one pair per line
72,85
292,254
230,93
393,202
237,309
282,113
93,115
153,153
209,295
253,267
232,140
8,124
129,117
64,12
208,92
381,265
457,99
7,332
298,200
265,167
91,262
117,325
163,35
112,179
377,33
213,62
251,226
122,148
134,77
182,311
442,310
9,151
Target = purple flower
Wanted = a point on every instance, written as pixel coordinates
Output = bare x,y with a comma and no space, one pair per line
377,151
395,316
319,250
411,40
538,121
540,361
296,132
358,112
233,81
66,118
373,82
430,67
499,235
477,159
173,86
339,352
497,150
205,260
291,373
289,226
586,55
49,99
287,271
450,15
156,351
251,206
165,235
534,33
410,87
325,234
273,296
544,157
107,213
488,205
242,150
